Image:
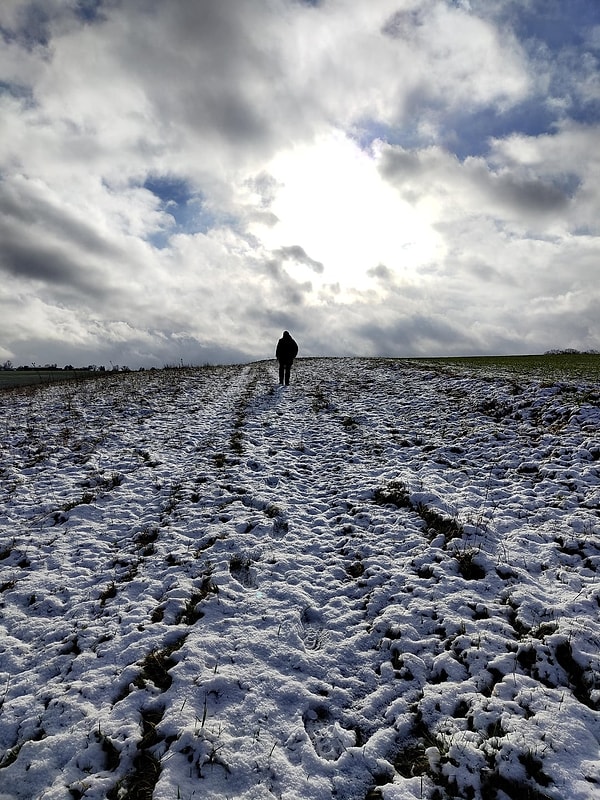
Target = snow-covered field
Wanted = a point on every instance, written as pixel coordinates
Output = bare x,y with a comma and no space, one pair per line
380,582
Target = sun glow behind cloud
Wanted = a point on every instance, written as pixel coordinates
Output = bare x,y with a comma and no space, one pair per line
332,198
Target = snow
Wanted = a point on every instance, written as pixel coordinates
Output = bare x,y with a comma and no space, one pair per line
379,582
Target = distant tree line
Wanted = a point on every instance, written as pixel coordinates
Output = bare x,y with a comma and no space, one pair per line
8,365
570,351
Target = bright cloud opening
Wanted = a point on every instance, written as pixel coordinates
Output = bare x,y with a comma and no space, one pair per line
333,200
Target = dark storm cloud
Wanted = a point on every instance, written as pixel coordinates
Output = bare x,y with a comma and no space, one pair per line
528,196
505,189
42,262
285,321
22,206
298,254
46,243
265,187
228,68
382,274
287,291
414,334
396,163
65,275
402,24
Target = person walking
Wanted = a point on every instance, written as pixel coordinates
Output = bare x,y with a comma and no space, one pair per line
286,352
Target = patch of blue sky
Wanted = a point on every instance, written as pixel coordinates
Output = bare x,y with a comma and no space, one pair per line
470,133
32,29
89,10
558,39
174,193
33,26
186,207
464,135
366,132
556,23
16,90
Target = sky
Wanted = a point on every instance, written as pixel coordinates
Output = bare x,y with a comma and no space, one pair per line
180,182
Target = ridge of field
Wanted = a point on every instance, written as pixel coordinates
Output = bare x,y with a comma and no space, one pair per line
550,366
12,378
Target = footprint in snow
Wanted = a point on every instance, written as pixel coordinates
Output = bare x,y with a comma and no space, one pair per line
280,525
312,637
311,629
240,569
328,737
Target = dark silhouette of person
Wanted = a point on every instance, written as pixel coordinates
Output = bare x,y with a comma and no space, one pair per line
286,352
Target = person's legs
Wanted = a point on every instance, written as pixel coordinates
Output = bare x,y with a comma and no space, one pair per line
281,372
288,368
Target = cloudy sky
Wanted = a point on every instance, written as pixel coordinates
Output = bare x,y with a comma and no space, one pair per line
182,180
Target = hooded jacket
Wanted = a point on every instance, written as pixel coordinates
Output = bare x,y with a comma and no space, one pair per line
287,349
